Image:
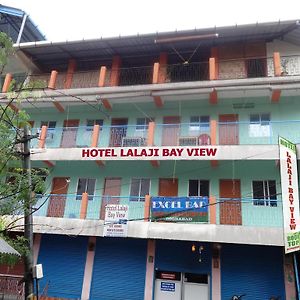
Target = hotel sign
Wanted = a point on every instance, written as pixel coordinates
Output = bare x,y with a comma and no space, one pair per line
116,220
290,195
179,209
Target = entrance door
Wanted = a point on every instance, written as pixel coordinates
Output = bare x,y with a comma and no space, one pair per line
230,210
168,187
171,129
228,129
118,130
195,291
112,189
69,134
57,201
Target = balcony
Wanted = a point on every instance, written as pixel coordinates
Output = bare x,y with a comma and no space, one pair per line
221,211
181,134
212,69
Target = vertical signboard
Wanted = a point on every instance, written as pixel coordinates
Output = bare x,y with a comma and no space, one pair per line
290,195
116,218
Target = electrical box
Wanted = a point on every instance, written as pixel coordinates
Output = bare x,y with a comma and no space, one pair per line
38,271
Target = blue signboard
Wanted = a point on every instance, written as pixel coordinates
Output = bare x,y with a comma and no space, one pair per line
180,209
167,286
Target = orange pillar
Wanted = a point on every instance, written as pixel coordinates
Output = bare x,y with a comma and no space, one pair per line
43,136
163,62
6,84
212,210
212,69
277,64
84,205
95,136
215,54
147,208
102,76
151,130
155,73
70,73
213,139
115,71
52,80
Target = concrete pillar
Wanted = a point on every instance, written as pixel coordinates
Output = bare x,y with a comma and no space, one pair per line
149,278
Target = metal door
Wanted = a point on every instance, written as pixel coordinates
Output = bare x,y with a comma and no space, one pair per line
69,134
228,129
57,201
230,210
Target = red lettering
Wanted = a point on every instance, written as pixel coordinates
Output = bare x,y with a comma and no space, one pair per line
85,153
292,221
288,154
211,152
93,152
290,190
165,152
293,226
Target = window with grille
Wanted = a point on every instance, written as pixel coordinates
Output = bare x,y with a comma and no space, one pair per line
264,192
90,124
259,125
139,188
198,188
199,123
86,185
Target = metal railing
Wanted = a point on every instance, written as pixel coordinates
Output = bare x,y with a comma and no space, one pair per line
11,287
242,211
135,75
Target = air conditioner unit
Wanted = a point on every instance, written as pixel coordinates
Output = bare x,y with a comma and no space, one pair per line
133,141
188,141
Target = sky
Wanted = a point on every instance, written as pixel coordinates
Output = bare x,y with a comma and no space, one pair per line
62,20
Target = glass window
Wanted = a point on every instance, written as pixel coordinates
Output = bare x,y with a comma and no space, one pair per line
50,124
264,192
142,123
86,185
139,188
90,124
198,188
200,123
260,125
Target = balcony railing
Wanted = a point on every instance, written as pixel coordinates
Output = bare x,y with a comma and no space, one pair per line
212,69
220,211
11,287
181,134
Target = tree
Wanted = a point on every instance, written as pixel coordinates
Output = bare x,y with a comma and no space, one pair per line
16,191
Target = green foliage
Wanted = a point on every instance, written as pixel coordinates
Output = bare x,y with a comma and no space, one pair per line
6,48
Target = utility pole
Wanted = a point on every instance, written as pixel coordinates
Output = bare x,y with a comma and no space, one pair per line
28,225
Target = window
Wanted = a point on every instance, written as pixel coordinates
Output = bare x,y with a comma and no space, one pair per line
198,188
90,124
259,125
199,123
142,123
264,192
139,188
86,185
50,124
50,130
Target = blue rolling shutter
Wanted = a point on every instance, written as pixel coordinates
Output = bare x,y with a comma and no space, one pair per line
119,269
63,260
256,271
178,256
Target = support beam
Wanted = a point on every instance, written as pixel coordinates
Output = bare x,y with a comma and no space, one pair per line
115,71
43,136
149,278
84,205
58,106
70,73
147,204
212,210
155,73
95,140
7,82
100,163
88,270
289,278
150,141
106,104
212,69
163,64
213,97
102,76
213,139
214,52
216,272
52,80
158,101
277,64
275,96
49,163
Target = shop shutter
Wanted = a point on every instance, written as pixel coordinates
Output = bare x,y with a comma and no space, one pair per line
178,256
119,269
256,271
63,260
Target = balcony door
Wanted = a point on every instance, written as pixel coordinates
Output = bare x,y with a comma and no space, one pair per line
170,132
168,187
69,133
112,189
57,201
118,130
230,210
228,129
